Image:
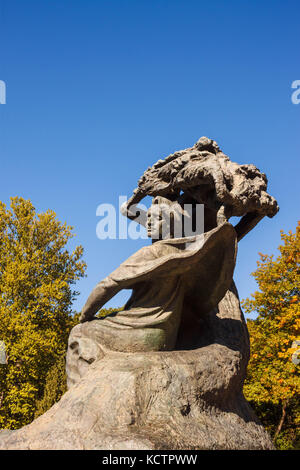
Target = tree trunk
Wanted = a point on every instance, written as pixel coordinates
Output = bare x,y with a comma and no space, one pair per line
281,422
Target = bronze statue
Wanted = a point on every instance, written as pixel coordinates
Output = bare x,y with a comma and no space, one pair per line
178,278
167,371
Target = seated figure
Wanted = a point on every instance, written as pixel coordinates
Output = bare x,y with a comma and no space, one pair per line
160,276
178,279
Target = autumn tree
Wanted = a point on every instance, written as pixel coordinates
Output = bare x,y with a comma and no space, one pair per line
273,382
55,386
37,274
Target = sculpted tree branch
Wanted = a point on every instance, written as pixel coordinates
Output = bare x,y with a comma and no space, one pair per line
213,179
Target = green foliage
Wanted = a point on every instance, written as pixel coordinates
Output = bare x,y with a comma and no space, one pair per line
36,277
108,311
273,382
270,414
55,386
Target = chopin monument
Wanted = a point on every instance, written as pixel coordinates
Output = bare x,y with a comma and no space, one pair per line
167,371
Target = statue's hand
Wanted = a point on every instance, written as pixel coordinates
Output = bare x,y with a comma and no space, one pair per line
136,197
103,292
130,210
86,316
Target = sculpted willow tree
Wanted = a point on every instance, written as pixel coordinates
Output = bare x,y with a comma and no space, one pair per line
36,277
273,382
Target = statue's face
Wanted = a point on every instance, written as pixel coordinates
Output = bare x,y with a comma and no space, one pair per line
161,217
155,221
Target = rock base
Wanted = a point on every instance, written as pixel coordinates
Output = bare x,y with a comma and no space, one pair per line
183,399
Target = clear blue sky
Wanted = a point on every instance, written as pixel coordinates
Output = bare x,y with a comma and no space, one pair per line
98,90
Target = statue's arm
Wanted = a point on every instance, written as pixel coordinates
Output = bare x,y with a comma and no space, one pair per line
129,209
247,223
101,294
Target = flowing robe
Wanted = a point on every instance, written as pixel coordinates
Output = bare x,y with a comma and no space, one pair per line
161,276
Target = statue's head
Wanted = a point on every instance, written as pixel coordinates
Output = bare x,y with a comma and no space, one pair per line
164,219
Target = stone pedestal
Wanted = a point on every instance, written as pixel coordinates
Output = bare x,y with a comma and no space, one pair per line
182,399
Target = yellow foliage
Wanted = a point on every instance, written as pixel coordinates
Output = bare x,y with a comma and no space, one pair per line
272,377
36,277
